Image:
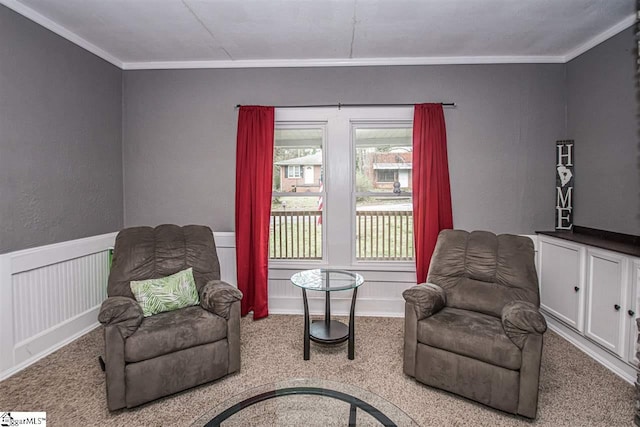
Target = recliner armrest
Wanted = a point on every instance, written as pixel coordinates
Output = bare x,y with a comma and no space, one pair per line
521,318
217,297
123,312
427,299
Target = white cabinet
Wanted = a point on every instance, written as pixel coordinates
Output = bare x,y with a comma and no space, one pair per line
562,280
591,296
607,281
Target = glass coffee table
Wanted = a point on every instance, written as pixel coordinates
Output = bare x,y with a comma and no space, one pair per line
328,331
305,402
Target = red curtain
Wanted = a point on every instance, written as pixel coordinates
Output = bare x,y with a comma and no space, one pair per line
431,191
254,169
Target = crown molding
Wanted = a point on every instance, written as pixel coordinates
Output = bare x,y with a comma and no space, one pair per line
47,23
42,20
352,62
603,36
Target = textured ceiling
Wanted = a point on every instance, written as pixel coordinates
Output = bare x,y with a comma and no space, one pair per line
141,33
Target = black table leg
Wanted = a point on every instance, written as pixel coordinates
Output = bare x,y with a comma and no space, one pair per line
352,324
352,415
327,308
306,324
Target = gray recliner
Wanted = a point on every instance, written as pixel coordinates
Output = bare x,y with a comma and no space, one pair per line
474,328
151,357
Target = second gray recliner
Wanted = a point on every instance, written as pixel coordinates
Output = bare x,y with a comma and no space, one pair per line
474,328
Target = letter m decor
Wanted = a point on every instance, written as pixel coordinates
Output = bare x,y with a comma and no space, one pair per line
564,185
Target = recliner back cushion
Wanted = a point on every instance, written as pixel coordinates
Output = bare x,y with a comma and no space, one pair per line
143,253
481,271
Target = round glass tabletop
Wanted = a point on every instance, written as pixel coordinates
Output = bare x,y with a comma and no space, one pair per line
308,402
327,279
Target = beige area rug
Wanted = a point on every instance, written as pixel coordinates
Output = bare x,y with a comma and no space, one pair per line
70,387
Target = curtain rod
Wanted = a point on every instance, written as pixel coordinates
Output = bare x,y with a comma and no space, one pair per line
340,105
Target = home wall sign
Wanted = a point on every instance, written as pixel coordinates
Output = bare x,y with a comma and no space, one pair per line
564,184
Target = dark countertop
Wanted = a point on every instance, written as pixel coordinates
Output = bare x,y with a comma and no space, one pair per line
623,243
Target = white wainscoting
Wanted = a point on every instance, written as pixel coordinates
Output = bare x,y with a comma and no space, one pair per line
50,296
226,249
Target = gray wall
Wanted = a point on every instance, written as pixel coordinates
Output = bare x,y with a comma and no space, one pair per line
60,138
602,105
62,133
180,135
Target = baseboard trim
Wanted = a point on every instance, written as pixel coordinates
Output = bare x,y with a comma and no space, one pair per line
34,358
49,339
603,357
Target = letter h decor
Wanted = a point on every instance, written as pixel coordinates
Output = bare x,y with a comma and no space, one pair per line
564,185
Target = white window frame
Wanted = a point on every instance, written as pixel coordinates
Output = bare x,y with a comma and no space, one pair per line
339,181
297,171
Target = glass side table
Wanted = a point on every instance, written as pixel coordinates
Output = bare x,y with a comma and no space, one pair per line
328,331
305,402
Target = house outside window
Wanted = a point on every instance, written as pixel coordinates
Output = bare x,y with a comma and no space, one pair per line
393,167
342,187
303,173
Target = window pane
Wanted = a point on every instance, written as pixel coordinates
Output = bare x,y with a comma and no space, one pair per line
383,159
295,230
384,228
296,222
384,207
297,160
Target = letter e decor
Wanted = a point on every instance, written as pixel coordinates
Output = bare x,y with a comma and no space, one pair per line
564,185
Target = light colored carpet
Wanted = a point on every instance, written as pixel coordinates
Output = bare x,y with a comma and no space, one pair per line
70,387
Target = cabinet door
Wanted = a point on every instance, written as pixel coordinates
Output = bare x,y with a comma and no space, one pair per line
607,278
561,281
633,312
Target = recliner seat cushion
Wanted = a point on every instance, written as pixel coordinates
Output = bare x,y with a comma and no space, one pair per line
172,331
471,334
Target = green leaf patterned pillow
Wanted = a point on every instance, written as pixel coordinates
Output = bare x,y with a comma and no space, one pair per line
166,293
